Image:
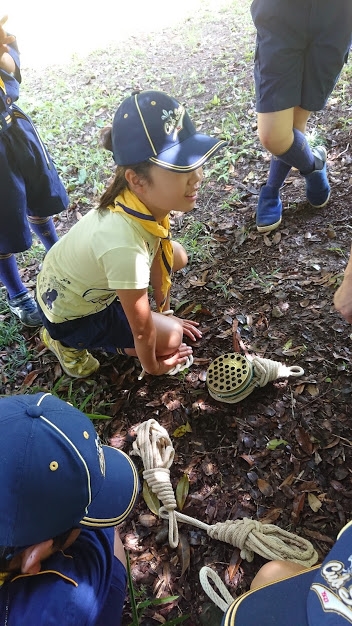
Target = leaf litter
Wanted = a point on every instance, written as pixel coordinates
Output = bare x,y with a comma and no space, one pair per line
284,454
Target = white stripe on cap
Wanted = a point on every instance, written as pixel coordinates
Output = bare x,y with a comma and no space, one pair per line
144,126
187,168
115,521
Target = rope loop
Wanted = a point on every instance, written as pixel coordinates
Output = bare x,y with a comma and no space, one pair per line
222,602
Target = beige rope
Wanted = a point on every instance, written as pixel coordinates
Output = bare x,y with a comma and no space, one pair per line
223,602
154,446
250,536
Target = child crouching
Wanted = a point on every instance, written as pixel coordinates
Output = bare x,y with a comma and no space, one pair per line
93,288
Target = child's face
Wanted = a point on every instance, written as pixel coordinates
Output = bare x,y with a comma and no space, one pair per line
171,191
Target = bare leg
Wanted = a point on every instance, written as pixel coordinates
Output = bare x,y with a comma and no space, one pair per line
275,130
274,571
119,550
180,261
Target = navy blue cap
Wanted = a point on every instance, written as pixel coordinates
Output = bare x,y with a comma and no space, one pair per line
319,596
152,126
55,473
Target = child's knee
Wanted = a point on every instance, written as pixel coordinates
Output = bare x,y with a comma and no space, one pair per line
169,333
180,256
274,571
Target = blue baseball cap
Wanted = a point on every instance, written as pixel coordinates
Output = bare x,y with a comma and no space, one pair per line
319,596
152,126
56,474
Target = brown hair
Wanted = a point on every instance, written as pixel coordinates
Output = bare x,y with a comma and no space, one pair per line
120,183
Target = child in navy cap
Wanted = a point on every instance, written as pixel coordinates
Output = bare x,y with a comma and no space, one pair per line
287,594
93,287
301,48
62,493
31,190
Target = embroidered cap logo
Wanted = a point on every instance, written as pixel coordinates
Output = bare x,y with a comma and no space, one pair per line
101,456
173,121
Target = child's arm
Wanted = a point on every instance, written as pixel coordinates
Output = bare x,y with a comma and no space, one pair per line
6,61
152,350
343,296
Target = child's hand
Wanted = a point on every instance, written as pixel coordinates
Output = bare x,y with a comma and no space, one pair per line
167,363
5,39
343,298
190,329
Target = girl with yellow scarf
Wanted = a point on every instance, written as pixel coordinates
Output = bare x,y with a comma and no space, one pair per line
93,289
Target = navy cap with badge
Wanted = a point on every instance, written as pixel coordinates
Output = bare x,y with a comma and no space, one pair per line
153,126
319,596
56,474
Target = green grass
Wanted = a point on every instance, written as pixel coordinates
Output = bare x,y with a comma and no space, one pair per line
197,241
15,351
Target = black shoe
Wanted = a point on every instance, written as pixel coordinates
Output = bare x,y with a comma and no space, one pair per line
26,309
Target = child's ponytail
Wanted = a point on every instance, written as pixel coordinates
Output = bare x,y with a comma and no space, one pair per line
105,138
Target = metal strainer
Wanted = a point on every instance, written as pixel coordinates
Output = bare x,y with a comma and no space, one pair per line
228,375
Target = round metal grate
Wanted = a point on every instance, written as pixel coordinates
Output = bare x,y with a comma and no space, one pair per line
229,374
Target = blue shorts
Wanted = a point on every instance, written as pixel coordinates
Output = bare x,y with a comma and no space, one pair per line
106,330
301,48
29,184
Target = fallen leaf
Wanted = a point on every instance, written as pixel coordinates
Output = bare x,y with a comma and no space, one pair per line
182,430
264,487
184,553
151,500
30,378
313,390
271,516
234,564
297,507
275,443
314,502
182,489
304,440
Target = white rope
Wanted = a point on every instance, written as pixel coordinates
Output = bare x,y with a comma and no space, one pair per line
222,602
155,448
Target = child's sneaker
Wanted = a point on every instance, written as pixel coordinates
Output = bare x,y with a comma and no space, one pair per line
317,184
75,363
26,309
269,209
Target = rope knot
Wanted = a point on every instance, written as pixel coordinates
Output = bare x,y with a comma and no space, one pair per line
158,479
265,370
236,533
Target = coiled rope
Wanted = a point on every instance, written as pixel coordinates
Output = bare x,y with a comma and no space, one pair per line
154,447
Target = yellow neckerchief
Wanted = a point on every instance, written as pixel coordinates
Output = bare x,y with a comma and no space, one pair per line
128,204
2,85
4,576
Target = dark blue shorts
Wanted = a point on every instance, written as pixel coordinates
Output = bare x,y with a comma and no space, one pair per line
301,48
107,330
29,184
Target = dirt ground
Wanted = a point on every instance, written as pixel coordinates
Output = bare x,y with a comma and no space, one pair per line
270,296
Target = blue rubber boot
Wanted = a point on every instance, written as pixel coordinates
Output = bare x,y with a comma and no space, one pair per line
269,209
317,184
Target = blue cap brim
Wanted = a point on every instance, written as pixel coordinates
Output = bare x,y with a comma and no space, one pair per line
189,154
320,596
283,603
330,596
118,494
